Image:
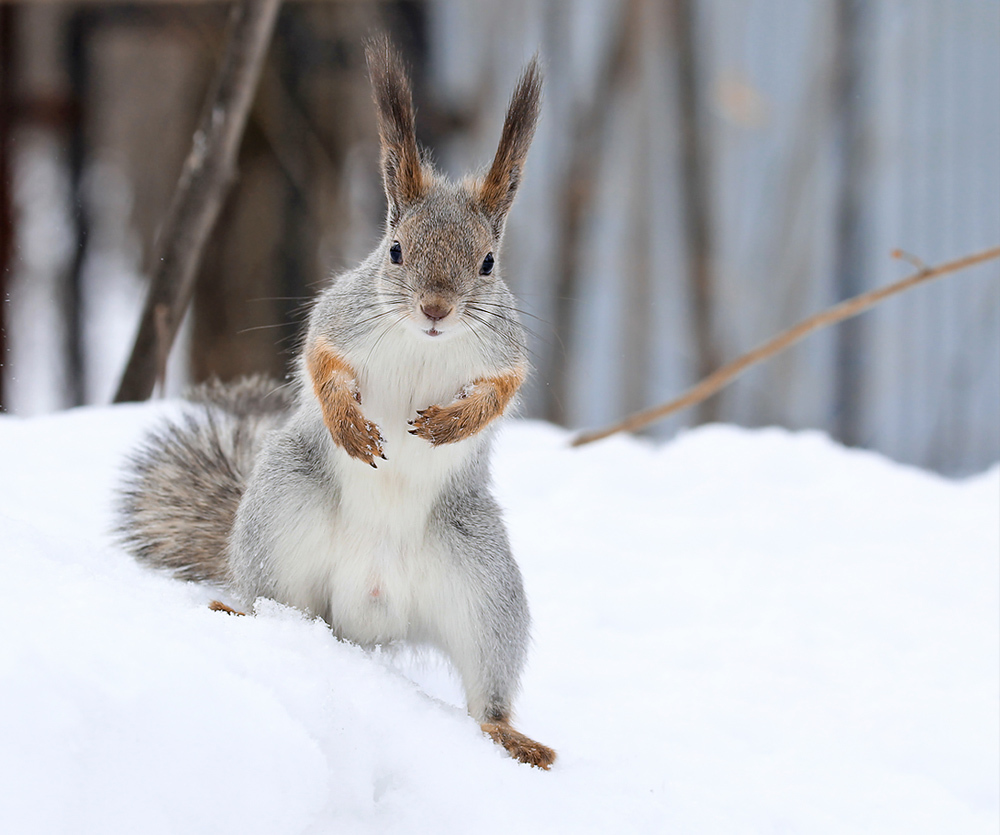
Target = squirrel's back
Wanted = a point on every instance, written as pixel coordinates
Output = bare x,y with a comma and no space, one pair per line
184,483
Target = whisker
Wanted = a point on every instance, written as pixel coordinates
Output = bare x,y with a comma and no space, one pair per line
264,327
510,321
382,335
399,284
501,306
375,318
475,333
280,386
510,339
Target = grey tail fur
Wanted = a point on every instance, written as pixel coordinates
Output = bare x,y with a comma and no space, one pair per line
183,485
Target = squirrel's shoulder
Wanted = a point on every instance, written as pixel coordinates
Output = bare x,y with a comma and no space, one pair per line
340,312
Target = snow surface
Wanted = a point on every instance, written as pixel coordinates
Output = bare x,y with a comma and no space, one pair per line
738,631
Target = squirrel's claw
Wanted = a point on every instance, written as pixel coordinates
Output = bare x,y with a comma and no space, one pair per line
436,424
471,410
422,425
359,438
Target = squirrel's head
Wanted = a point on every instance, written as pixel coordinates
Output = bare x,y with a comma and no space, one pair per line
441,251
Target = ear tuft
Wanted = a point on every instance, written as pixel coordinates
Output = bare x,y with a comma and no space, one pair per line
402,175
497,190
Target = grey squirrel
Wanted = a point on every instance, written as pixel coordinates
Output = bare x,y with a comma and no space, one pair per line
363,495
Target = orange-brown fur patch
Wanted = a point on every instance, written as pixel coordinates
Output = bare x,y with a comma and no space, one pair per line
219,606
465,417
519,746
336,389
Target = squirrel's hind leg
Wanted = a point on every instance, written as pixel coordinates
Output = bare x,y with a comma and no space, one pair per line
519,746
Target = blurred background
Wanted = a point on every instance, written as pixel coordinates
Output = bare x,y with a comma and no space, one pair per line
706,173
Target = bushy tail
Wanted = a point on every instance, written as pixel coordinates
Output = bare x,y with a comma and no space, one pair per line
183,485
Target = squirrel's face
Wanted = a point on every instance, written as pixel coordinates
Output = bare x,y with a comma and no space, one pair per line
440,263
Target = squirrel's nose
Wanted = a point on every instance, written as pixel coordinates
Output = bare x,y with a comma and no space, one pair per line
435,311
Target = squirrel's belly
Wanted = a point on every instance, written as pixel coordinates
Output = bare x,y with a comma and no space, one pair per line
385,561
372,566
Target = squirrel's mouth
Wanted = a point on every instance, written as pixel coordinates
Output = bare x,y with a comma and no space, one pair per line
440,324
426,327
433,311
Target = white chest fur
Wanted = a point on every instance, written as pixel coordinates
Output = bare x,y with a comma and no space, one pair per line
371,563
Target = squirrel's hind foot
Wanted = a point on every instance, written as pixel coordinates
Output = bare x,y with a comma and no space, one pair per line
219,606
519,746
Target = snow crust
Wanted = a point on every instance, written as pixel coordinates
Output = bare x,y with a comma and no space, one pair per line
737,631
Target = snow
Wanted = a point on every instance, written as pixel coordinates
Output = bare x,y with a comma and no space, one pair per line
737,631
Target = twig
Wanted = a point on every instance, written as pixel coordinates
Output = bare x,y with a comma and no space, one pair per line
208,172
845,310
903,255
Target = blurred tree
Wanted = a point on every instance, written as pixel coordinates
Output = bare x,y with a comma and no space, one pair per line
6,208
706,173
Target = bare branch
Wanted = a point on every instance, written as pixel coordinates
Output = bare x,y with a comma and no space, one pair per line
838,313
903,255
208,173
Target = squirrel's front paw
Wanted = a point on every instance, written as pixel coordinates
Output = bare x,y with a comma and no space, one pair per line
440,424
359,437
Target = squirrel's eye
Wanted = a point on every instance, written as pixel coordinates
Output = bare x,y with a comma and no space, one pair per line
487,266
396,253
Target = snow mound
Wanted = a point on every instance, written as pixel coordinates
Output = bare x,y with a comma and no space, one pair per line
738,631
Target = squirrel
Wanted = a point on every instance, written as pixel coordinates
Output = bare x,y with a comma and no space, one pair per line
362,494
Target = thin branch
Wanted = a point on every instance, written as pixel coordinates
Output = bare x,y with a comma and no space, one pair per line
903,255
725,375
204,182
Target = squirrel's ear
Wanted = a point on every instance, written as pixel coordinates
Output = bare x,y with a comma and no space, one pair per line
402,174
496,192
